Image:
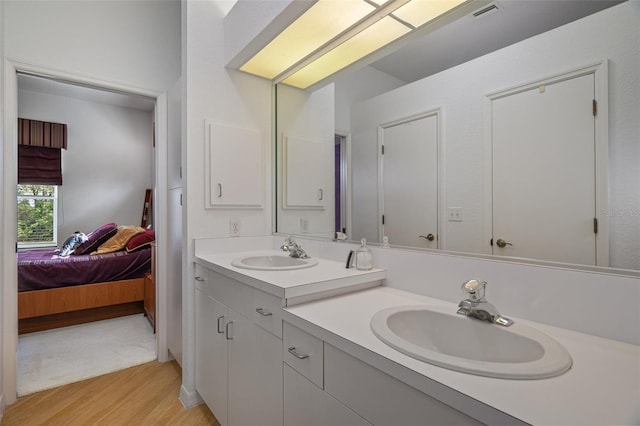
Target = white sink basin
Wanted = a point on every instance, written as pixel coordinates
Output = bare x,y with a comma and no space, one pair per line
439,336
273,263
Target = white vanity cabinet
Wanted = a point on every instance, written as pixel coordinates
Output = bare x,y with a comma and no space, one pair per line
238,351
324,385
305,401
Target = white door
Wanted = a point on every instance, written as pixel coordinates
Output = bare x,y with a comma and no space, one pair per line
410,183
255,374
211,354
544,172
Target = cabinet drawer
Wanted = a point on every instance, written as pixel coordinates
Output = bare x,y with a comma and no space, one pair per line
304,353
267,312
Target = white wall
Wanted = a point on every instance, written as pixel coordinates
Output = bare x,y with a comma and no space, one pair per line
611,34
107,165
357,86
228,97
135,43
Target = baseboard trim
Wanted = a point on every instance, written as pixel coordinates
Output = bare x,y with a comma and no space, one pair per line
189,398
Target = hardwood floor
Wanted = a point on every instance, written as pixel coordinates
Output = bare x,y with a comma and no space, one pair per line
142,395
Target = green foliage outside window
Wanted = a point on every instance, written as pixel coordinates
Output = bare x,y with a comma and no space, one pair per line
36,215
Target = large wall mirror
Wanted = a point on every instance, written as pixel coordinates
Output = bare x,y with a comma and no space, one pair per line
464,141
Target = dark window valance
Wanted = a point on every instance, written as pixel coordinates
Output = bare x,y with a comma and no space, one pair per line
39,166
42,134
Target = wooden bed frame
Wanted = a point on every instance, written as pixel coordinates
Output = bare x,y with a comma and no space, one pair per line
59,307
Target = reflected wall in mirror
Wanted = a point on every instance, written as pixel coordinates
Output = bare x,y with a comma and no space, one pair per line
360,104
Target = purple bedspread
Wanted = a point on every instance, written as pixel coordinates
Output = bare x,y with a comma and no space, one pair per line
41,269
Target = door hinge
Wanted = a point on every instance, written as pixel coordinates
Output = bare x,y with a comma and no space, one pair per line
382,148
383,219
595,108
16,246
595,225
491,242
180,199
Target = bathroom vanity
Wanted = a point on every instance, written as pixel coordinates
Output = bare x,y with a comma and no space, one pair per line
292,347
238,328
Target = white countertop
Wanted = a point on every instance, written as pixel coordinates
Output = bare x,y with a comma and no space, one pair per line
325,277
601,388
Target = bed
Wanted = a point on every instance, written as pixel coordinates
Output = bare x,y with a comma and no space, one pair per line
56,291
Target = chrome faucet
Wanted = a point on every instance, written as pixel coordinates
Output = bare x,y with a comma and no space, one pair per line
294,249
476,306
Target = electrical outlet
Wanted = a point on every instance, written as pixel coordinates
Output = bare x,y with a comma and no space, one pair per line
454,214
234,227
304,225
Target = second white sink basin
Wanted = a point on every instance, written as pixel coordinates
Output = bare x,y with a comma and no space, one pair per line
438,336
273,263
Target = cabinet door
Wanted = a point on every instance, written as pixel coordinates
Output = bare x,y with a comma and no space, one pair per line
255,374
234,167
306,179
211,354
306,404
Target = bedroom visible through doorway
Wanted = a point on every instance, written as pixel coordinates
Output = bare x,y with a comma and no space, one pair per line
107,167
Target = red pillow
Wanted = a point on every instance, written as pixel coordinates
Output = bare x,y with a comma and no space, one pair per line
96,238
141,240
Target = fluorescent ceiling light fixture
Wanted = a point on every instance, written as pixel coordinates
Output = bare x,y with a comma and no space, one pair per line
333,34
367,41
324,21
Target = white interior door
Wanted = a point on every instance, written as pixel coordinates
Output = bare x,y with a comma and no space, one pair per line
544,172
410,182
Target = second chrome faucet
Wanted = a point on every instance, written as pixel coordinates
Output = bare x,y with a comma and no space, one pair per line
476,306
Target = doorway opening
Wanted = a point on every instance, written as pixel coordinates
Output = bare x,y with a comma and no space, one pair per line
108,167
340,179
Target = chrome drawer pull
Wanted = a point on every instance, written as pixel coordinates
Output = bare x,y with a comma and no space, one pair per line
228,336
292,351
264,313
220,330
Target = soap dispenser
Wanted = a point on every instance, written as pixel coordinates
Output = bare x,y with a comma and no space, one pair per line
364,257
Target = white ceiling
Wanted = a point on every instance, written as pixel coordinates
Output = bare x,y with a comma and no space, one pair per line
472,37
52,87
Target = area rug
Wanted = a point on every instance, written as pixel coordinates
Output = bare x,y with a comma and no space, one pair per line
52,358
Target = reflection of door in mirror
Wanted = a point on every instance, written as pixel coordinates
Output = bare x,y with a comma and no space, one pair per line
544,199
340,183
409,182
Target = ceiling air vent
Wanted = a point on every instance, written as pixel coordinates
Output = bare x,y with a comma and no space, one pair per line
487,10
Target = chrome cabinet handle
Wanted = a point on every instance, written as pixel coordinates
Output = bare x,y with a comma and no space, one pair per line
292,351
321,192
200,279
228,334
502,243
219,190
220,330
262,312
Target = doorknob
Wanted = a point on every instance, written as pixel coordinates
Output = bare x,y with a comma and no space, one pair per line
502,243
429,237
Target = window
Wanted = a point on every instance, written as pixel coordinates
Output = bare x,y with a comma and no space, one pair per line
37,216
